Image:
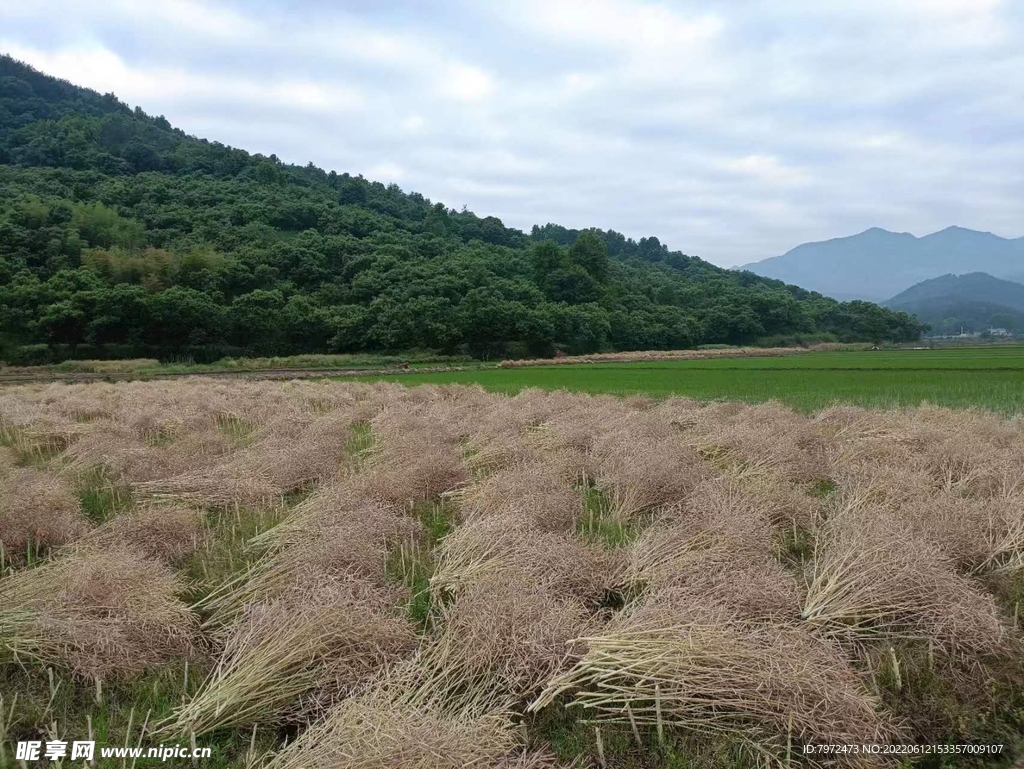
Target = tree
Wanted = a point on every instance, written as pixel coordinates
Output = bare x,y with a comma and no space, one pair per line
64,322
546,258
181,317
119,315
590,252
488,323
581,329
254,321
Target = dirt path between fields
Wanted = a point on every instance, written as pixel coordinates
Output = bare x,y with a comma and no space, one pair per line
282,373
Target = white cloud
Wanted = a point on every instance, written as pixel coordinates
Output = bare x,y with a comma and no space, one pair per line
768,169
465,82
196,18
414,124
104,71
385,172
581,82
630,25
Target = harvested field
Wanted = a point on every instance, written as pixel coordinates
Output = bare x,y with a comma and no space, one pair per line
667,355
355,575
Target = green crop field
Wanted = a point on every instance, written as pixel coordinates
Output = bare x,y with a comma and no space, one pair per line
987,377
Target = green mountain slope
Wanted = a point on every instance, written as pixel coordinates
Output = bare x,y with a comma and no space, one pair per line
975,301
120,235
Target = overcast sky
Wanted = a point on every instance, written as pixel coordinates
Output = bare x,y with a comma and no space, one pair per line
731,130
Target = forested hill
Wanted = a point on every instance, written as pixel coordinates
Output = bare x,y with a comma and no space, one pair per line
121,235
972,302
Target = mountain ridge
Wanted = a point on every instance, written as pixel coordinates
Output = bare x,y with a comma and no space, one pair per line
974,301
878,263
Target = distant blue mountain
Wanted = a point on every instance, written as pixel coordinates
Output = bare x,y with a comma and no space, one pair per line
877,264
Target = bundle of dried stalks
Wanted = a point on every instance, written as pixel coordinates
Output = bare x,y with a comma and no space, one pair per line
641,473
510,546
536,422
310,548
965,453
80,403
124,456
390,727
538,760
771,437
503,635
879,483
415,473
424,412
536,492
41,439
167,532
496,439
103,612
566,422
39,508
345,501
1004,536
19,407
155,424
970,466
296,653
135,454
767,687
788,505
734,508
259,475
684,567
979,535
494,451
363,400
419,455
873,576
530,407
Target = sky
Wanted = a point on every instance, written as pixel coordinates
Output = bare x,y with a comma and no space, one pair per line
730,130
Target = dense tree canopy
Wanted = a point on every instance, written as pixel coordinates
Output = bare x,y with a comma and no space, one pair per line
119,233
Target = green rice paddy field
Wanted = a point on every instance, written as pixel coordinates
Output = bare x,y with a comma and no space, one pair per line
991,378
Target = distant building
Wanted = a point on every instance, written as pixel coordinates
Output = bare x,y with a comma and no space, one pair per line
998,332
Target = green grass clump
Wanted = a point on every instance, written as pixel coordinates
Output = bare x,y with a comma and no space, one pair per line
30,450
234,428
794,546
114,714
949,702
823,488
128,365
599,524
569,736
361,440
411,564
101,496
226,551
